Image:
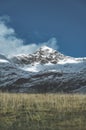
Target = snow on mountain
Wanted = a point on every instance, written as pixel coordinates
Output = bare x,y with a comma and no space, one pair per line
45,59
42,56
3,58
46,70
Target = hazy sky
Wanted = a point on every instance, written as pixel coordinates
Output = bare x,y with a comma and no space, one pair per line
37,21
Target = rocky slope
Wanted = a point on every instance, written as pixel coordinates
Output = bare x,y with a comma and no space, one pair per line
46,70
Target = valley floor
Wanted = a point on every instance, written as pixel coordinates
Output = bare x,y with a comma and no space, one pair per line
42,112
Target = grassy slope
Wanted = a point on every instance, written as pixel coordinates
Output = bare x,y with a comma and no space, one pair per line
42,112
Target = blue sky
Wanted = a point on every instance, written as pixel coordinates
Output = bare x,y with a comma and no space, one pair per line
37,21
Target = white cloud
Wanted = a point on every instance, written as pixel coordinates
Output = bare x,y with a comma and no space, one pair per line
11,45
52,43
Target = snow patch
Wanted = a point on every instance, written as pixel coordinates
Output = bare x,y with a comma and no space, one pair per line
68,61
3,61
46,48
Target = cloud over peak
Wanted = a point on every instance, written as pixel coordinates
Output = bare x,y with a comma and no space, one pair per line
11,45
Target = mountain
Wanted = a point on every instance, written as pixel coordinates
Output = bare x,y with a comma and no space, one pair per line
46,70
42,56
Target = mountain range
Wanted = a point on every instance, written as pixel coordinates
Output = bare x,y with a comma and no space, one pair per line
46,70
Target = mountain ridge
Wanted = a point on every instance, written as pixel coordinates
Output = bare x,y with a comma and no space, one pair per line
46,70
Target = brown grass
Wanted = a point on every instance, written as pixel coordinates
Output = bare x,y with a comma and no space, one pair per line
42,112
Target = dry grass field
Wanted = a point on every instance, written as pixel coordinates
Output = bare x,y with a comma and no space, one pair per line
42,112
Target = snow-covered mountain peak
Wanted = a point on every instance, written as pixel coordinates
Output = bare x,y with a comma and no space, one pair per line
43,55
48,54
46,48
46,58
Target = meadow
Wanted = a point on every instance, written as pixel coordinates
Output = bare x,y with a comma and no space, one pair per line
42,111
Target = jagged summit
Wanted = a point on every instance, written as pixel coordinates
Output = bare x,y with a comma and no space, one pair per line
43,55
46,48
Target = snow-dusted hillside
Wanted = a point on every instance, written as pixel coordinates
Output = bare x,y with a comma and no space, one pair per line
46,70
